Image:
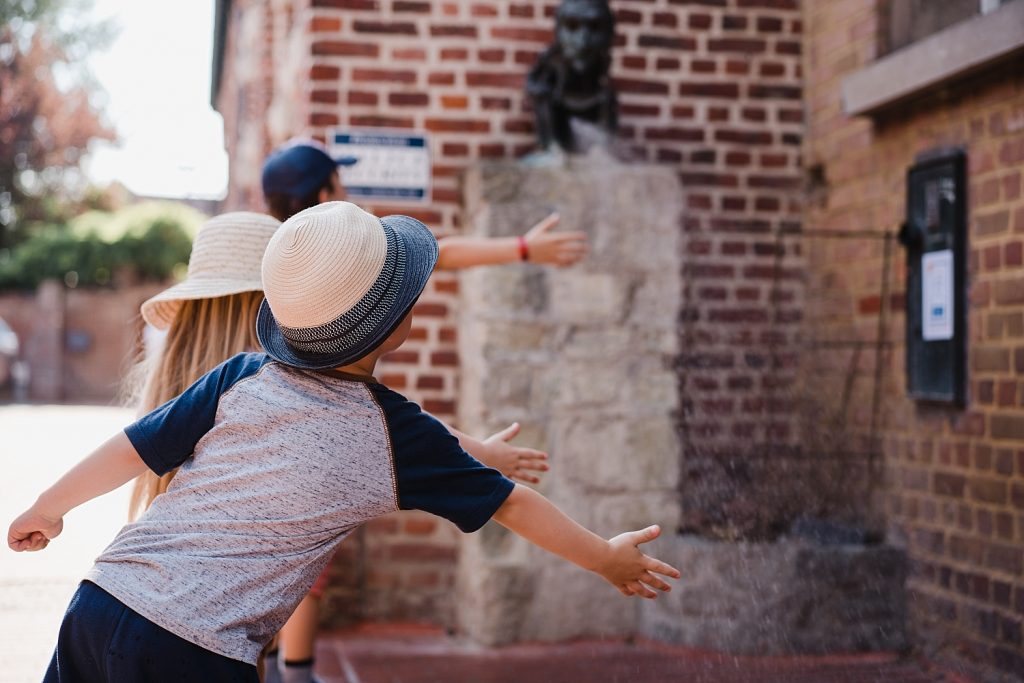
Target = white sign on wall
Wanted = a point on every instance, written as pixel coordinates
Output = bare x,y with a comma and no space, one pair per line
937,295
391,166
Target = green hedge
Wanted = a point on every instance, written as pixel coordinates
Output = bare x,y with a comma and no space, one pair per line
154,253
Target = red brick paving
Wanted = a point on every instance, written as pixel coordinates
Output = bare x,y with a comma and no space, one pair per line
412,655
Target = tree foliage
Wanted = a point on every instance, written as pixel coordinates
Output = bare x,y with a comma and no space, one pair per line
47,117
151,242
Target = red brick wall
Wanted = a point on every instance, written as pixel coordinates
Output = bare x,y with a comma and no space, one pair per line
954,478
712,88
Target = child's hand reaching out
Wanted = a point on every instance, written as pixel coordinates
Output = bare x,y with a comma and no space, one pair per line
515,462
33,530
554,248
631,571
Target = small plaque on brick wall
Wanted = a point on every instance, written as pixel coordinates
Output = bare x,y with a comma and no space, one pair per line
392,165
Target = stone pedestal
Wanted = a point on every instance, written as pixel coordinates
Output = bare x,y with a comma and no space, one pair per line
582,358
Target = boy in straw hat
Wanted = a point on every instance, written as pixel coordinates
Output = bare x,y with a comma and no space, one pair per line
281,454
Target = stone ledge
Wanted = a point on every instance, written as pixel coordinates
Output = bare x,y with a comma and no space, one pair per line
938,59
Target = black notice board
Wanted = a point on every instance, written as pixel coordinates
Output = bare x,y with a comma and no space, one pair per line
935,234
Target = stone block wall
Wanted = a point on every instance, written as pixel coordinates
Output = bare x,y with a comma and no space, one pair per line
954,486
710,90
583,358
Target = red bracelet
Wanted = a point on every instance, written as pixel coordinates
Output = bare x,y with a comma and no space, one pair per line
524,249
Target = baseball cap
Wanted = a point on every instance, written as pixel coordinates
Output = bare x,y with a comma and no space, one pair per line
299,167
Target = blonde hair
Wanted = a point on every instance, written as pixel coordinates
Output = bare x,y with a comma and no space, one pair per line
203,334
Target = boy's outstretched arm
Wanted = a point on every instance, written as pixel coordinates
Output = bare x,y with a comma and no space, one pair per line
112,464
618,560
515,462
542,246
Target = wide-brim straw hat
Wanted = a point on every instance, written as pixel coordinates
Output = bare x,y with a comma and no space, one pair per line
338,281
226,257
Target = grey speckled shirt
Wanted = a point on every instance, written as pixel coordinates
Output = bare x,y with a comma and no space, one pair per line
284,464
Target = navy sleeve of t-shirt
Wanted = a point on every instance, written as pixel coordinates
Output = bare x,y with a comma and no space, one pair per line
166,437
433,472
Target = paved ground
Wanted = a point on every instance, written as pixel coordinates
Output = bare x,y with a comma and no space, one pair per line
387,656
37,443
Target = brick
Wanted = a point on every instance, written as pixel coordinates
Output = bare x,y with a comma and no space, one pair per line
676,134
454,54
323,72
491,56
743,45
494,79
430,382
453,31
422,552
324,96
992,223
667,42
947,484
770,4
744,137
764,91
344,48
377,121
348,4
408,99
458,125
444,358
441,78
439,406
403,28
769,24
734,23
1007,426
324,25
363,75
323,119
709,89
402,356
408,6
533,35
988,359
699,21
1005,558
631,85
628,16
454,102
987,490
409,54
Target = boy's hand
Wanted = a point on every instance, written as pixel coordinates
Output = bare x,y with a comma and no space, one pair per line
557,249
513,461
630,570
33,531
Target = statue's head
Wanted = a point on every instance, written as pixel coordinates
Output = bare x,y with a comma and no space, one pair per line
584,31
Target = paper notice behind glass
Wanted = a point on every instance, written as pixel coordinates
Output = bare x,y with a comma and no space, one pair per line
937,295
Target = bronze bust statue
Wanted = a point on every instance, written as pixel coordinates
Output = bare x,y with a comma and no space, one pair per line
570,79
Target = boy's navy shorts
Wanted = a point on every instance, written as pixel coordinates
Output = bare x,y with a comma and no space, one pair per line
103,640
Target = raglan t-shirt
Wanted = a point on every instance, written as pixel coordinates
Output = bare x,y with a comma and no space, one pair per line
277,466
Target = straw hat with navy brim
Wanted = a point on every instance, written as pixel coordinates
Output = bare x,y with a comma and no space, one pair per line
338,281
226,256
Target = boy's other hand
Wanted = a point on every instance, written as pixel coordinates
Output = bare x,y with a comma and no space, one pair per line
554,249
632,572
514,462
33,531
